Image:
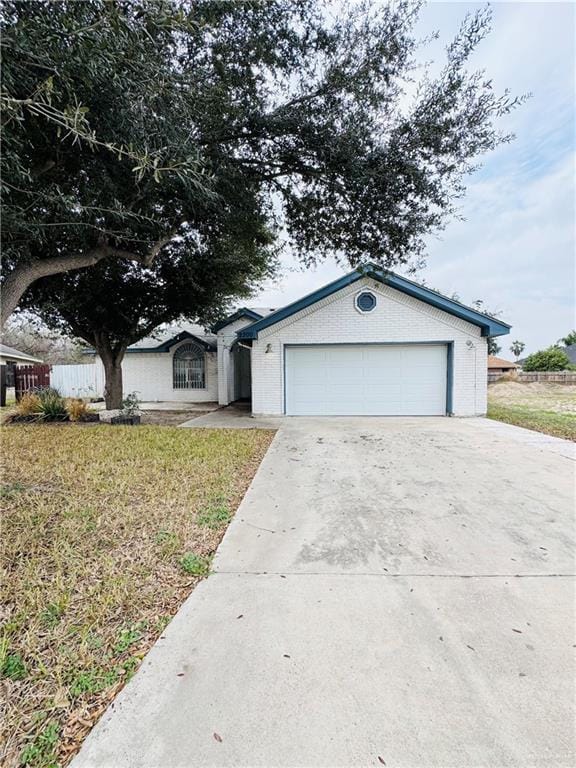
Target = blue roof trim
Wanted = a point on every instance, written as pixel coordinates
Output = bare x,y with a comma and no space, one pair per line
239,314
490,325
165,346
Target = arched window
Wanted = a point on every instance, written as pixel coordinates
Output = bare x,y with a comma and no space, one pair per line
188,367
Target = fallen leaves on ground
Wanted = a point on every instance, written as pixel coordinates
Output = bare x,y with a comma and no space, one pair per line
96,525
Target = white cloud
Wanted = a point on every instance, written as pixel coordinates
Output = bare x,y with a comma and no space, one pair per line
515,251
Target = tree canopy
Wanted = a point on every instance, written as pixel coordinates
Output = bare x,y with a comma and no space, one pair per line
116,303
493,347
126,124
569,339
551,359
517,347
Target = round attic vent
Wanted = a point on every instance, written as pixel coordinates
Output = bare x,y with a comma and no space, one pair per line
365,301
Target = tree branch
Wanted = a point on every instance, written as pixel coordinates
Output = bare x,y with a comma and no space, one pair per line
19,280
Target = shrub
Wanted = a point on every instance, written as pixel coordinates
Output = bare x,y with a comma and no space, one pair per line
29,404
77,409
551,359
131,404
52,404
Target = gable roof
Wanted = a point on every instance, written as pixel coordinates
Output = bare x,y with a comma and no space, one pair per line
15,354
167,344
499,362
252,313
490,325
163,339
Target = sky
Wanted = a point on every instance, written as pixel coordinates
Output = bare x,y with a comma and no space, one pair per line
515,249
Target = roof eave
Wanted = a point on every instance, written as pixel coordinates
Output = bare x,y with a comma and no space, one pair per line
165,346
489,326
20,358
238,315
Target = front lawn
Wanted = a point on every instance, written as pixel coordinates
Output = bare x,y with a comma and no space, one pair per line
106,530
558,424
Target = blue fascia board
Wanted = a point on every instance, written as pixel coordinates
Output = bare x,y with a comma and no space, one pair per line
490,325
238,315
251,332
166,346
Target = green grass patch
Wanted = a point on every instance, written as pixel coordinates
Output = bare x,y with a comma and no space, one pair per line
194,564
41,751
215,516
558,424
13,667
106,530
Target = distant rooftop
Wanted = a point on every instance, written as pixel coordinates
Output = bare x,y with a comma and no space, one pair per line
16,354
499,362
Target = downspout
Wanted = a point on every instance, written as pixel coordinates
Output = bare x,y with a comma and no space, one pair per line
470,344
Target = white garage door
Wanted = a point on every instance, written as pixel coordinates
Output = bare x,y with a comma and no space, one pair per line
371,379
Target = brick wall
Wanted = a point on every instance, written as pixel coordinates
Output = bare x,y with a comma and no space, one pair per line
397,318
149,374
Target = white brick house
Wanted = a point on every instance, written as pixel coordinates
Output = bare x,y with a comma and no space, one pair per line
370,343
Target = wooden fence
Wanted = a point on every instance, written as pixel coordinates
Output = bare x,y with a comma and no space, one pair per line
554,377
27,377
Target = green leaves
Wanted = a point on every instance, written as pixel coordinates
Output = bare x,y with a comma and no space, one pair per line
551,359
228,124
195,565
13,667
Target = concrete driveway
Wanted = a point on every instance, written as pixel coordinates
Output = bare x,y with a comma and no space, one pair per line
393,592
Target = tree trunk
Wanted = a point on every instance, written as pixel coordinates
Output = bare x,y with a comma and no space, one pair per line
112,362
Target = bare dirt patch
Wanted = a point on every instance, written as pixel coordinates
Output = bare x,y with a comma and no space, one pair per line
169,418
539,395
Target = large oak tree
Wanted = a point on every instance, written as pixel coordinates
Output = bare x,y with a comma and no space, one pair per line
126,124
118,302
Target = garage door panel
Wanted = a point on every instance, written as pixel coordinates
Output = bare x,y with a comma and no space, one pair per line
360,379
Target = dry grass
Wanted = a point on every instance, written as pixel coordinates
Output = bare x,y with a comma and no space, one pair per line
541,406
538,395
105,532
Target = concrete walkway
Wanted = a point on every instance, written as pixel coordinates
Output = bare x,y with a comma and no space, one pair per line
391,592
235,416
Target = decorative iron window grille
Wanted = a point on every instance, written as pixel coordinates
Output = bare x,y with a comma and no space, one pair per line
189,370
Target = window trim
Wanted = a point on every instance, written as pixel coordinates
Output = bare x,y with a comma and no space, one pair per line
361,293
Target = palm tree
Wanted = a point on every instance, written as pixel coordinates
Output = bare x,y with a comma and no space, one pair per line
517,347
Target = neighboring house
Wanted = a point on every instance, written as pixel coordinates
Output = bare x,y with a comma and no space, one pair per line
497,365
369,343
9,355
11,358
